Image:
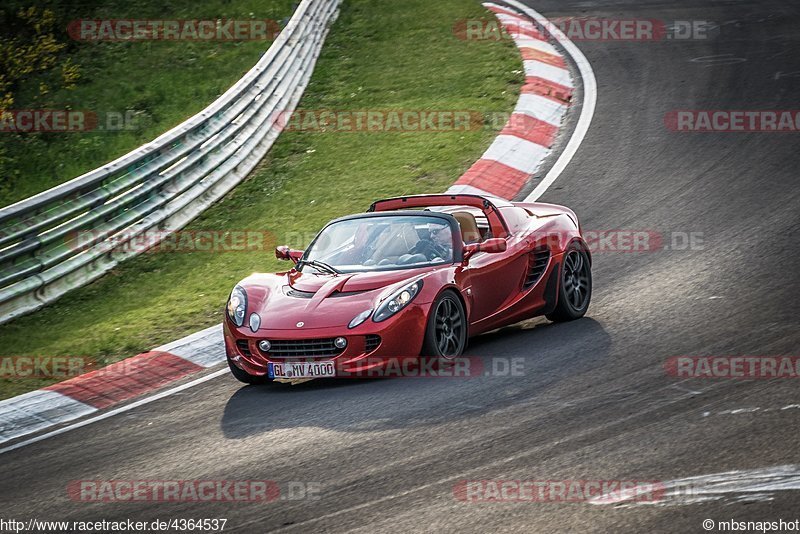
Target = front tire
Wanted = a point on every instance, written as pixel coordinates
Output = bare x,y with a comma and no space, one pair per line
446,331
243,376
575,287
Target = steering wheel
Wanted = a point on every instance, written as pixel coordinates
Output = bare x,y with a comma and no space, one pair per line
427,248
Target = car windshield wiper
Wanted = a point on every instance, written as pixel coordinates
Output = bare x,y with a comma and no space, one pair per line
320,266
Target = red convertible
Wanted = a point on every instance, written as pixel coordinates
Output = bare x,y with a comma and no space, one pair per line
415,275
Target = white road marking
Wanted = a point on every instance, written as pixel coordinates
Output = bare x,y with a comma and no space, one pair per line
460,189
37,410
548,72
542,108
536,44
737,486
201,348
515,21
516,152
116,411
587,107
721,59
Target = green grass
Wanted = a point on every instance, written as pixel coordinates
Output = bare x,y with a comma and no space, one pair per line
381,54
161,83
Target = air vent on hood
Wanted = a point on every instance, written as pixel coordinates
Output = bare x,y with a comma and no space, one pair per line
290,292
345,293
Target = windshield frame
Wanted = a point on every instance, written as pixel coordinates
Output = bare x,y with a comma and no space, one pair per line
455,230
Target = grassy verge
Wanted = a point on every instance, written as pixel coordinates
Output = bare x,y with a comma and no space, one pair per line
381,55
157,84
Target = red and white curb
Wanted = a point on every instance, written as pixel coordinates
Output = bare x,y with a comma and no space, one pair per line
111,385
527,138
511,160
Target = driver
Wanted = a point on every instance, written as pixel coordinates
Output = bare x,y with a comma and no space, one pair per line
442,237
440,244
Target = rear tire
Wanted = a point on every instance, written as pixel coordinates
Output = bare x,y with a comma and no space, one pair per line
243,376
446,331
575,286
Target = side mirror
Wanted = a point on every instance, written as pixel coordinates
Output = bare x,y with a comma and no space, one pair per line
493,245
285,253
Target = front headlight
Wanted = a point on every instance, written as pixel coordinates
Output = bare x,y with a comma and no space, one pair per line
237,306
397,301
360,318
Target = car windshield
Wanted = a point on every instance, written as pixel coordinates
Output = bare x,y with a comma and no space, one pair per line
382,243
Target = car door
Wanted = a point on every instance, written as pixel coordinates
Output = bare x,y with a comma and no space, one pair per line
493,281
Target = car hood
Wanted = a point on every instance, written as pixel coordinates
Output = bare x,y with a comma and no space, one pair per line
350,282
320,301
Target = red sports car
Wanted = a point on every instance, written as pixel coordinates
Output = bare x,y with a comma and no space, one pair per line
413,276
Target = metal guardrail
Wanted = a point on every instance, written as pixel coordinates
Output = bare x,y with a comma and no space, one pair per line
68,236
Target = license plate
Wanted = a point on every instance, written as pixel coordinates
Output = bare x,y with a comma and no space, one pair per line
301,369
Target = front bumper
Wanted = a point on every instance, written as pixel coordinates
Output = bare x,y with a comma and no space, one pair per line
400,336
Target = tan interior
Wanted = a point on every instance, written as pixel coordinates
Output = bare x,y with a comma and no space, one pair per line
469,227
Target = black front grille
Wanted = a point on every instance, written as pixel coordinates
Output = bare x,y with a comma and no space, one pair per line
537,263
244,347
372,342
303,348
